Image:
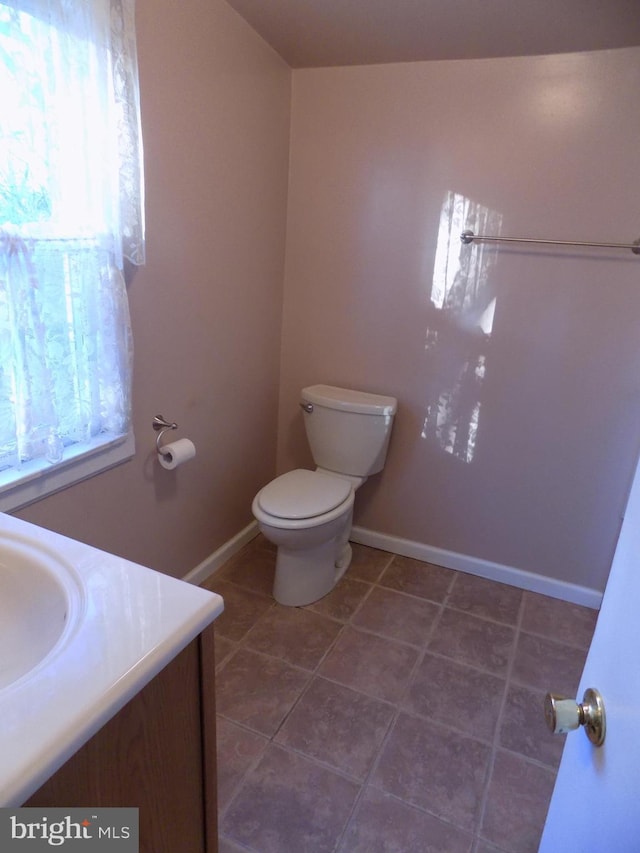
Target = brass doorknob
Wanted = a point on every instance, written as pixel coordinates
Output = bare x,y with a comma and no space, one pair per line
564,715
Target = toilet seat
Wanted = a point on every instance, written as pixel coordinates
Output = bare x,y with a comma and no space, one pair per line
303,498
303,494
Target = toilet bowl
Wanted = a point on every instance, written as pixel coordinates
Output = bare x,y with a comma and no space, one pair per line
308,515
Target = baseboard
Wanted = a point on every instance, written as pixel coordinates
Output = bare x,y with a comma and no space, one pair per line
213,562
483,568
440,557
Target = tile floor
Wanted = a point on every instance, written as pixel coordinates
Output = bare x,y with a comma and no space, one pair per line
403,712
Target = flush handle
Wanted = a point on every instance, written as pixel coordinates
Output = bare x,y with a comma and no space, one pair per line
307,407
566,715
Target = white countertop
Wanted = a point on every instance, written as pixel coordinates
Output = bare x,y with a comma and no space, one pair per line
130,621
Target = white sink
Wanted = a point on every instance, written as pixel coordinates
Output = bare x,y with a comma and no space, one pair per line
40,602
81,632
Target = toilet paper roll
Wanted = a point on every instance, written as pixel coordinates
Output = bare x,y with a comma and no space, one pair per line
176,452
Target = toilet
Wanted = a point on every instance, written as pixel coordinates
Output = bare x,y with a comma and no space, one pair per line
308,514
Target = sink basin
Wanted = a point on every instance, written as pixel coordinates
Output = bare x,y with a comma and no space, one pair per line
81,632
40,598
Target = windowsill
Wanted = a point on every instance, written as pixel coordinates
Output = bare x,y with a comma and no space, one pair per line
38,479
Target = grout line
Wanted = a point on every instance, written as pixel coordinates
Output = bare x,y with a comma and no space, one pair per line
394,718
365,782
496,736
249,769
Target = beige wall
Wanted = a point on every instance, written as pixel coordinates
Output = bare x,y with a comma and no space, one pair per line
551,145
206,308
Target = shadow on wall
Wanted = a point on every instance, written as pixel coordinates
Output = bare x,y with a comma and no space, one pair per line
459,324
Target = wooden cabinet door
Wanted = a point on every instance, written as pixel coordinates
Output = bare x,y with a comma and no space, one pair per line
149,756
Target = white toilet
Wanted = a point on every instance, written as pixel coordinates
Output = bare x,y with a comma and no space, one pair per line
308,514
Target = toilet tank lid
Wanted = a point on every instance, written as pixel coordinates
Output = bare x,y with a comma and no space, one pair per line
348,400
303,494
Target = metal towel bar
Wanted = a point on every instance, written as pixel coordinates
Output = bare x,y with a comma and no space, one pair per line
469,237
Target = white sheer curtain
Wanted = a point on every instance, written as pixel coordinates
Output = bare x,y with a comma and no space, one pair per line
71,209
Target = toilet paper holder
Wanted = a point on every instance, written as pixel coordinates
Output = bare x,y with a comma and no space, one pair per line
161,425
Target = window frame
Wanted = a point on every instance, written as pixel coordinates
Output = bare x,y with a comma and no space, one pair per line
38,478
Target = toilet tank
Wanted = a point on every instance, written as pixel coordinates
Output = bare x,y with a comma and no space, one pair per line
348,431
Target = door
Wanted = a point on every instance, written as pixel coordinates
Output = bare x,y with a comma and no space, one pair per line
596,800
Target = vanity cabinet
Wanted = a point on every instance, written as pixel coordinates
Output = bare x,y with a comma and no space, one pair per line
157,754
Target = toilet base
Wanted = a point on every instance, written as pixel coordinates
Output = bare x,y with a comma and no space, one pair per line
303,577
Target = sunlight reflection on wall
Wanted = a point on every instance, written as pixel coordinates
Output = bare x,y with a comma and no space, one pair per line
459,323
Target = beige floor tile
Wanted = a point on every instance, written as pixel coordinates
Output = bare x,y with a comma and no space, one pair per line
373,665
523,728
253,569
481,597
438,770
559,620
295,635
242,609
343,601
367,564
258,691
456,694
288,803
517,803
397,616
382,823
238,750
417,578
471,640
547,665
338,726
223,649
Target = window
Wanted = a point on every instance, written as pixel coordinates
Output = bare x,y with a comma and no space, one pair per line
71,209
